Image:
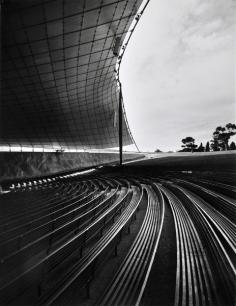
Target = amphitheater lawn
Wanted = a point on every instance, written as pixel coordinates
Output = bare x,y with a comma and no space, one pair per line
189,161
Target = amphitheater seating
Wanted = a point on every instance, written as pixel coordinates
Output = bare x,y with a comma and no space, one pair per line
62,232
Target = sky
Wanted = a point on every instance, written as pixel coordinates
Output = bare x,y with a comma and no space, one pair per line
178,72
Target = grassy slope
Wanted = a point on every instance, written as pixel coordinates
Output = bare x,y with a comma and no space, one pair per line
18,165
190,161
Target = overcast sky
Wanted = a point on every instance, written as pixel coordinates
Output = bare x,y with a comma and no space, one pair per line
178,72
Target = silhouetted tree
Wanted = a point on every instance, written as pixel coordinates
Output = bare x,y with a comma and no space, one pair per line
207,149
158,151
214,145
222,135
188,144
200,148
232,146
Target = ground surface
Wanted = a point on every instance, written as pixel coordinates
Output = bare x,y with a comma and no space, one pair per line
188,201
181,161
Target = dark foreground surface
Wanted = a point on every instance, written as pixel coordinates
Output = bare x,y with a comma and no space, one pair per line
156,232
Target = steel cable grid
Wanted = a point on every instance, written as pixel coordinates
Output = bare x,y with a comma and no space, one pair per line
59,77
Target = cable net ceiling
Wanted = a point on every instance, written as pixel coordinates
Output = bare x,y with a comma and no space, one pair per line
59,86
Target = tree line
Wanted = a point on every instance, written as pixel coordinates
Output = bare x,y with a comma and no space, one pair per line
220,141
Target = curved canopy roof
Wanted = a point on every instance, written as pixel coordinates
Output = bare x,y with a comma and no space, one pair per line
59,86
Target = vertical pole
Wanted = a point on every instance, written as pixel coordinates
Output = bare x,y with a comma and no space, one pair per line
120,125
